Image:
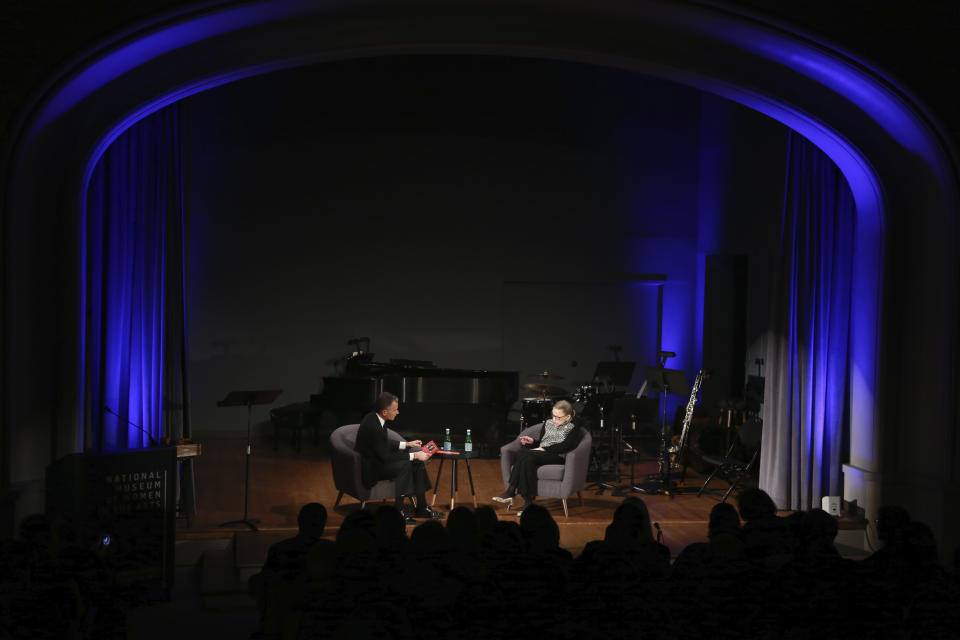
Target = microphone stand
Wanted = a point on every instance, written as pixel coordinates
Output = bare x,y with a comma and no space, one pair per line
150,438
665,381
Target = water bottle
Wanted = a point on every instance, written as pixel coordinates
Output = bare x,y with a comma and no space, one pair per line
468,443
447,444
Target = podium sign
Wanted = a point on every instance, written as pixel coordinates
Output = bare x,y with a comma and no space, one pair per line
125,502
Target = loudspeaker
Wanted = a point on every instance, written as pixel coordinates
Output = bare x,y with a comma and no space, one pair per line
831,504
724,327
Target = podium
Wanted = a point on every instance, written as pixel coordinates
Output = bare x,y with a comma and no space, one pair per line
125,504
247,399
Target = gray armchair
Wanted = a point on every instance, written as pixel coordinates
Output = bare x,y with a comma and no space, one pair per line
553,480
346,468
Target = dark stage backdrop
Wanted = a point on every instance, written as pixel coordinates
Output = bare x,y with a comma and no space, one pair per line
476,212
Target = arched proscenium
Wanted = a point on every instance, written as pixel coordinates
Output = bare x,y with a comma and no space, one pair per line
891,154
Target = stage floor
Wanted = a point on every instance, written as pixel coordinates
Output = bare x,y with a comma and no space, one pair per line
281,481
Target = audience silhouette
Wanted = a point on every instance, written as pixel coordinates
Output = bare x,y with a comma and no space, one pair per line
279,587
475,576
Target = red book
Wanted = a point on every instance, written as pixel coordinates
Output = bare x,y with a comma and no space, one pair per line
432,448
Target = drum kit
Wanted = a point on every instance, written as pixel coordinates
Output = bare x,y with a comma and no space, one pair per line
604,408
585,398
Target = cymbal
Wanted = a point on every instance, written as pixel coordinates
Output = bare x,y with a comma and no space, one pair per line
546,375
545,389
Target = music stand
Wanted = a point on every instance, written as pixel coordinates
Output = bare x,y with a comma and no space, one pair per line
663,381
248,399
618,373
753,394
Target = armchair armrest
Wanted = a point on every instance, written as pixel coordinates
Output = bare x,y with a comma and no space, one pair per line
576,465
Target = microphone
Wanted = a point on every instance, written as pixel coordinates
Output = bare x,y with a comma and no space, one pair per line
668,354
659,532
153,443
357,340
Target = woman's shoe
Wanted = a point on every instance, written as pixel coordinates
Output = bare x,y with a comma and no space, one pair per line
504,499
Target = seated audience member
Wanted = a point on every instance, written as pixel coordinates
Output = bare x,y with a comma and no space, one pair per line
815,590
431,569
891,524
502,545
725,545
622,578
931,597
430,538
955,566
428,551
356,544
630,533
818,532
541,533
390,529
48,603
486,517
537,578
279,585
795,530
288,556
462,530
391,541
711,578
920,561
766,537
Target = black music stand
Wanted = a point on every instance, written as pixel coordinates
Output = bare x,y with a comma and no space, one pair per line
663,381
618,373
248,399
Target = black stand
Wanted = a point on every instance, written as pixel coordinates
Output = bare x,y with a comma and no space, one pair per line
601,483
239,399
623,417
615,374
663,381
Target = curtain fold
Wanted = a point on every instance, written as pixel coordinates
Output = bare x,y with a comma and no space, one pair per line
133,289
805,412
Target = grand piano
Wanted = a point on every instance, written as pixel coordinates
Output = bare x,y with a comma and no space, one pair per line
431,398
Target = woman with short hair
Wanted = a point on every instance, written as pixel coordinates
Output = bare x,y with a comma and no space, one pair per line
558,436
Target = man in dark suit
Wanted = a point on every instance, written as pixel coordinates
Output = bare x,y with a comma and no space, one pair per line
385,459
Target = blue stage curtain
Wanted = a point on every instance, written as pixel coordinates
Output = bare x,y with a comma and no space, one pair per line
806,410
132,288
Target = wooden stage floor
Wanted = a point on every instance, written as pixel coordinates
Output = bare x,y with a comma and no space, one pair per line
282,481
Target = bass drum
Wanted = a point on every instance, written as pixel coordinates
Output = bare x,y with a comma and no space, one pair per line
586,403
585,393
706,440
536,410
